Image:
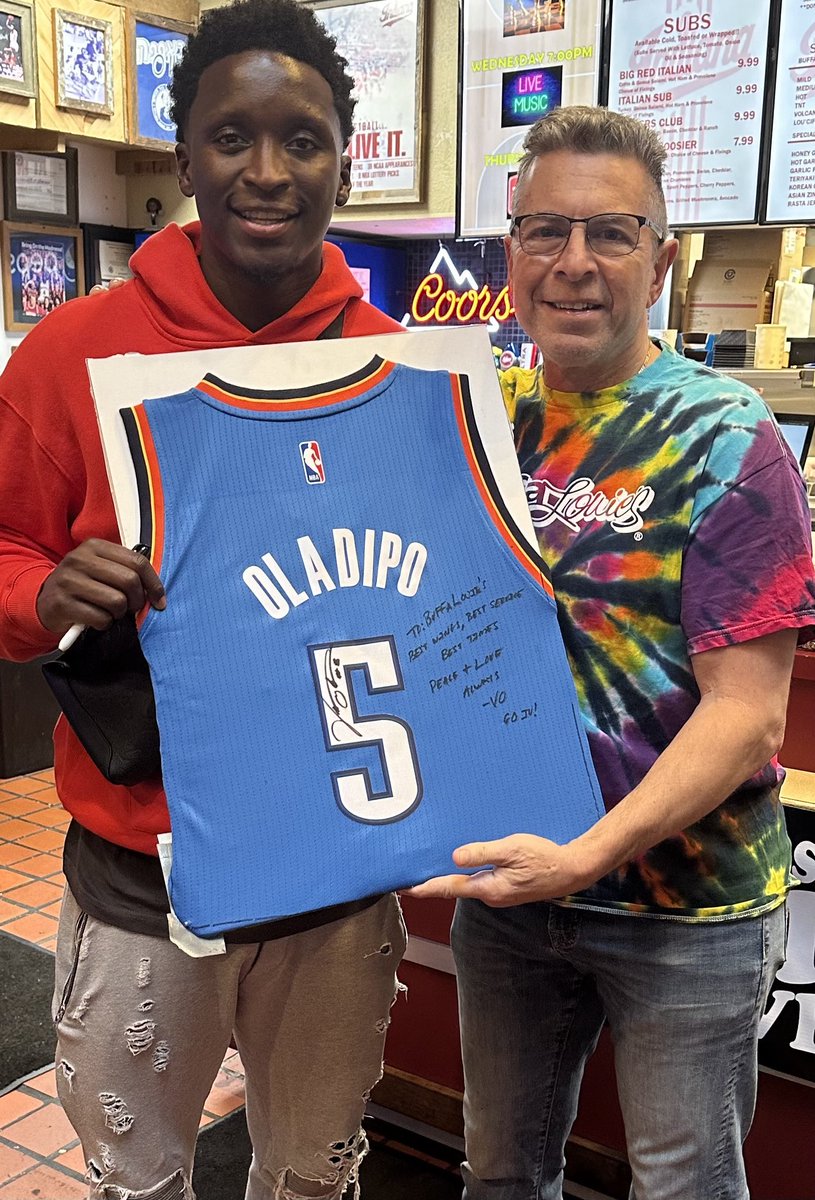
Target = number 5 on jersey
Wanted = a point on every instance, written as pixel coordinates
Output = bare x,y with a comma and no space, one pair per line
345,729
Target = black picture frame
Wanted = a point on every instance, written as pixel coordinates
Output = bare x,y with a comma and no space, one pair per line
93,236
17,211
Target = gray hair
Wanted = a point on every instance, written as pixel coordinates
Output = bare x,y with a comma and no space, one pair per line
593,130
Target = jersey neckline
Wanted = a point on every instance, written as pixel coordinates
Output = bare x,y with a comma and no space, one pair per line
364,383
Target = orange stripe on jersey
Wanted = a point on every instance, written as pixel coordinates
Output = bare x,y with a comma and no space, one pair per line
320,399
156,493
521,553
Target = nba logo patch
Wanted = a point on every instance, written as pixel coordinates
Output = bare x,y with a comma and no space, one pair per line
312,461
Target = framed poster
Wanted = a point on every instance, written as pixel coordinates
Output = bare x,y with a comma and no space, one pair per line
791,181
42,268
383,41
83,63
154,46
18,59
695,72
41,187
520,59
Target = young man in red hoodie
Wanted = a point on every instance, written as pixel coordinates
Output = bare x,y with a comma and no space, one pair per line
263,109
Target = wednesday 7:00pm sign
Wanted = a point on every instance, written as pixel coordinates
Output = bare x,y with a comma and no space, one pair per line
520,60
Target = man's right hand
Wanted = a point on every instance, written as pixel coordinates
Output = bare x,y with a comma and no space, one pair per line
96,583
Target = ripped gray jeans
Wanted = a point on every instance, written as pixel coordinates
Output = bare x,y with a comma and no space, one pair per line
142,1030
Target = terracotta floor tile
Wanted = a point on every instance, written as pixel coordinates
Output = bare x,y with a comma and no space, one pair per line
21,806
46,839
36,893
44,1131
12,1162
226,1095
9,911
44,1082
53,910
49,795
49,944
13,853
13,829
11,879
44,1183
52,818
16,1104
73,1160
41,865
24,785
33,927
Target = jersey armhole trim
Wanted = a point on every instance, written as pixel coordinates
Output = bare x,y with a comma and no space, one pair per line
148,483
485,481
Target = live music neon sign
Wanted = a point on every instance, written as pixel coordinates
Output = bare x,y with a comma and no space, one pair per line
435,301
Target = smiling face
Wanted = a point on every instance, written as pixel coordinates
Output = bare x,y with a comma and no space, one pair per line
262,155
587,313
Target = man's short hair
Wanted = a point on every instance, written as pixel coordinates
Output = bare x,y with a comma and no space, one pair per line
593,130
276,26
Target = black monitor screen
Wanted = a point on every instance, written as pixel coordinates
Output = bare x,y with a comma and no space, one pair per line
797,432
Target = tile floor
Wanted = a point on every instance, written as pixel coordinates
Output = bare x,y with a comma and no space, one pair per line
40,1156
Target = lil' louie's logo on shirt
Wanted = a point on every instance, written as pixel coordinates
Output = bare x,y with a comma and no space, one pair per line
312,461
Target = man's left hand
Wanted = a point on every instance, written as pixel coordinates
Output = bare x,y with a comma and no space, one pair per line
520,869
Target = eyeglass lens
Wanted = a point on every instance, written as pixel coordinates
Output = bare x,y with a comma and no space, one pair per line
610,234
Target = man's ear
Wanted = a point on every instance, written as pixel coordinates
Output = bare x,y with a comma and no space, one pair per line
344,189
182,168
665,256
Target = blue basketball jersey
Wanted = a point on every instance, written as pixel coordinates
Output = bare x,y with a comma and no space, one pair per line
359,667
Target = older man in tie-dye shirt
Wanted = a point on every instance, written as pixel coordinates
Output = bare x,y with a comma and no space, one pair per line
674,519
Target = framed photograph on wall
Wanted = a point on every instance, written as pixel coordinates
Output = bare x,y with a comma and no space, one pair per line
42,268
18,58
383,41
41,187
83,63
107,252
154,46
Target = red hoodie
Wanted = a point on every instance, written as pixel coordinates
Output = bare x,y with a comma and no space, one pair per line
53,485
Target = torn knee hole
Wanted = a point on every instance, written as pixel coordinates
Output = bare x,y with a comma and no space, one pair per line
176,1187
117,1118
68,1071
342,1160
385,949
140,1036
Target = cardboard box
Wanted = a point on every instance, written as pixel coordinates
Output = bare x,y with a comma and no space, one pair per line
727,294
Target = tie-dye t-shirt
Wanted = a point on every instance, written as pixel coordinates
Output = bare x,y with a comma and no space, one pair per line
674,520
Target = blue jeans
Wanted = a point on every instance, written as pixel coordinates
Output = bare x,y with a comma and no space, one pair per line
682,1001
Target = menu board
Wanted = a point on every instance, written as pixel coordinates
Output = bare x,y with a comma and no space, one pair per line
521,59
791,187
694,70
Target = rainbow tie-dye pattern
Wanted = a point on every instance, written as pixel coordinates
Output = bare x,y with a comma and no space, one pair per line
674,520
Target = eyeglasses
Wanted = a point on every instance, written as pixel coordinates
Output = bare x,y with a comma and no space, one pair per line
610,235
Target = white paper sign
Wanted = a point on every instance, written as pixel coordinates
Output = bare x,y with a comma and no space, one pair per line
694,71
